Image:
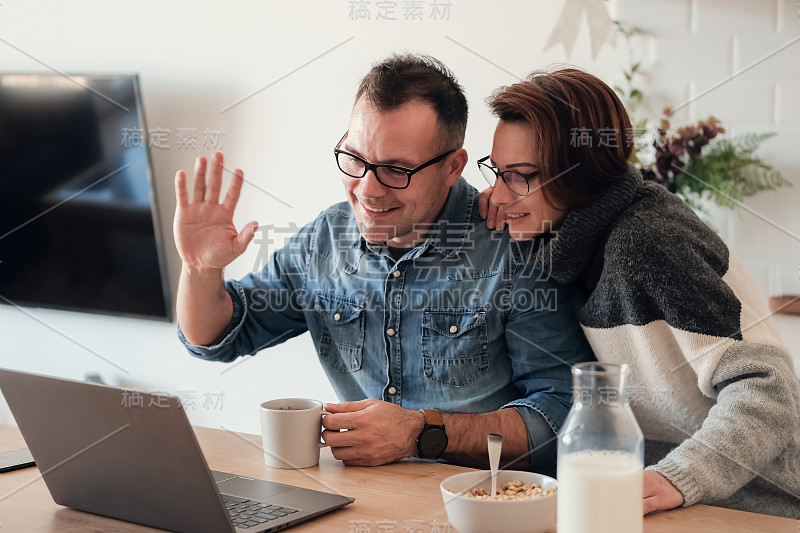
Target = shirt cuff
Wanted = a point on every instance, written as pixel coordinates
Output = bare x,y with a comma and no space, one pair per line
221,348
542,439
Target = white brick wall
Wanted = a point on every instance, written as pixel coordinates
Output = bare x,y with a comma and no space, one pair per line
731,17
788,104
698,44
735,102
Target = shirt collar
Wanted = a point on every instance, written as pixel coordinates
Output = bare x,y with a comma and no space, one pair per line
452,226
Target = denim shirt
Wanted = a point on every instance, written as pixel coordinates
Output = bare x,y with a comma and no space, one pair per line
461,323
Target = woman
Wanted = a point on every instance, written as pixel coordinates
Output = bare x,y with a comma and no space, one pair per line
716,394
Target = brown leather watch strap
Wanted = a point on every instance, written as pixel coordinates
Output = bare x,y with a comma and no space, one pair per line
432,418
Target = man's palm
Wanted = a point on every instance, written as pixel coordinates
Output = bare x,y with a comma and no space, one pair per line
204,231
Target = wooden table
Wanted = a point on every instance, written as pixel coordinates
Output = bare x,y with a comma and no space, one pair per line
398,498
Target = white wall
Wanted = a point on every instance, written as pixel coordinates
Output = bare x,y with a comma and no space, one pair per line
730,58
197,58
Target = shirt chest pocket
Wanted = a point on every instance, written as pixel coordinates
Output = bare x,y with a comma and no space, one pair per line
341,341
455,345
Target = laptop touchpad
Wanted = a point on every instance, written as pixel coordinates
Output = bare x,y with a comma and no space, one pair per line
252,489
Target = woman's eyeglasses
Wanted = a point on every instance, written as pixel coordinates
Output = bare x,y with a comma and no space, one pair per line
517,182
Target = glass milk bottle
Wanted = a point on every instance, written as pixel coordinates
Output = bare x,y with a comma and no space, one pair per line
600,455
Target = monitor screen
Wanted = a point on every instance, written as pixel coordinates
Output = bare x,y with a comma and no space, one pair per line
78,215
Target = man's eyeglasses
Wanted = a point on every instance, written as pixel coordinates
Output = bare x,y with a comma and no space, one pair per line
517,182
392,176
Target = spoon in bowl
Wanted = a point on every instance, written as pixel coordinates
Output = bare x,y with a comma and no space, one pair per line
495,444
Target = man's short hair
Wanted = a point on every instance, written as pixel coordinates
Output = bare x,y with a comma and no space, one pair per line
401,79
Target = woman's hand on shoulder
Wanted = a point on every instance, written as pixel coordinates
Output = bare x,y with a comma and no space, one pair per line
491,212
659,493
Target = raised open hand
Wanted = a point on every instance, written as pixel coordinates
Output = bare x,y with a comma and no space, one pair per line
205,235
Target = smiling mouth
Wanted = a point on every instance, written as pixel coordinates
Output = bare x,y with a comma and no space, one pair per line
377,210
515,216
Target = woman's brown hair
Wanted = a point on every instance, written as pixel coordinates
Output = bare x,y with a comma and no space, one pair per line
578,121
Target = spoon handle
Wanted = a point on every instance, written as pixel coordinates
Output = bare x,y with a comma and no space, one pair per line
495,444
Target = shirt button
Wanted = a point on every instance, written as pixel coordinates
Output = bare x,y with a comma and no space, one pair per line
392,390
396,273
337,317
390,332
453,329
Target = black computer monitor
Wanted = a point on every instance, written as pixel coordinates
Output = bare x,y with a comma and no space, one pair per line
78,214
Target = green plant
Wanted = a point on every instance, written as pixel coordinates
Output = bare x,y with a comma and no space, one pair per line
730,171
695,161
631,95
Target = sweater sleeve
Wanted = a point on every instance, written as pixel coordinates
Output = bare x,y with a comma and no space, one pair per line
753,420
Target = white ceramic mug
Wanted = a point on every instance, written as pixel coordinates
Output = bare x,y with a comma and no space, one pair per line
291,432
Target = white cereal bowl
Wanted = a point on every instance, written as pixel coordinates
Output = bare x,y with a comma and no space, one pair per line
469,515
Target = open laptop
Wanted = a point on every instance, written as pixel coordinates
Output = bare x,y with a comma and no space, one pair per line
139,461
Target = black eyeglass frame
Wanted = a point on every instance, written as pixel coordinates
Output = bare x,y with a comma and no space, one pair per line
504,175
374,167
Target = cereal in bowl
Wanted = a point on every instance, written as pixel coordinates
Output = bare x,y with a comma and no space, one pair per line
513,490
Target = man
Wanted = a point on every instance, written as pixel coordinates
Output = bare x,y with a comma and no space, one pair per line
411,301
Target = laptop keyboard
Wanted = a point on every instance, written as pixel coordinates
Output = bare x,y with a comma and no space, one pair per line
250,513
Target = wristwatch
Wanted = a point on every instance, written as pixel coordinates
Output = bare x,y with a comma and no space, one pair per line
432,440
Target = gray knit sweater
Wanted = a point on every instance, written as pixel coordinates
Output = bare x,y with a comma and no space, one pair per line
713,388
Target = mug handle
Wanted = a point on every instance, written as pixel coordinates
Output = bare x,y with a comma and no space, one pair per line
322,442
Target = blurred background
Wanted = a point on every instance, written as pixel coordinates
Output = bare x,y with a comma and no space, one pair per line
275,81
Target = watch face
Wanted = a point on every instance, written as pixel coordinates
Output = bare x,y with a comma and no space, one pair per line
433,442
